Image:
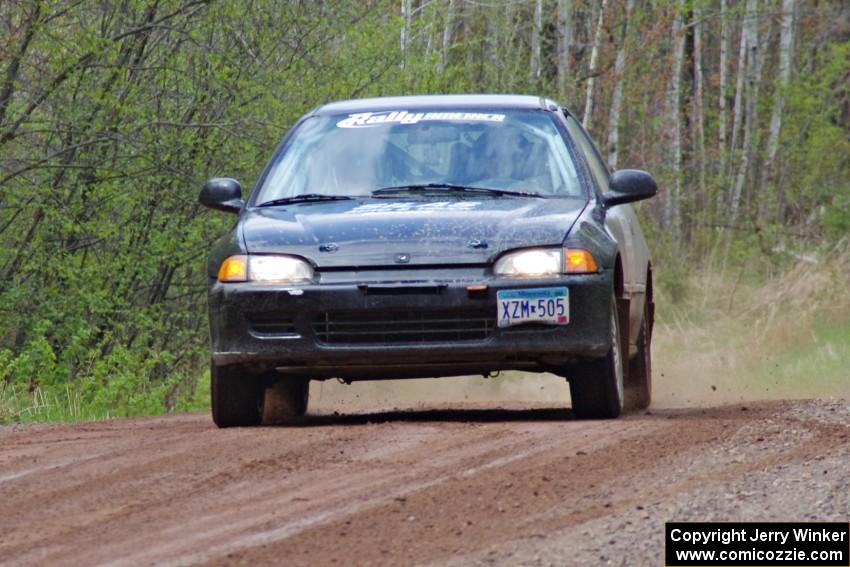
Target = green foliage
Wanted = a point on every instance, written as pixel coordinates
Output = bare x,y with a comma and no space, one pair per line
102,242
671,270
815,135
836,217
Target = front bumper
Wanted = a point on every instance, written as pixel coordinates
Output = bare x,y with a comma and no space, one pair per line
285,328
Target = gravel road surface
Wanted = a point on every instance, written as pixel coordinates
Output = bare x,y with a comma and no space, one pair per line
524,485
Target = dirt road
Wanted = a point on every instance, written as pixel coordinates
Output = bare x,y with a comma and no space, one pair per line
465,485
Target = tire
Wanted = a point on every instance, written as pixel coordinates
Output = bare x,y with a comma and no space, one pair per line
639,381
286,399
596,386
237,397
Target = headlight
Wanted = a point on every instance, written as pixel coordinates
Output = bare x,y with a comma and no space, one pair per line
278,269
546,262
265,270
529,263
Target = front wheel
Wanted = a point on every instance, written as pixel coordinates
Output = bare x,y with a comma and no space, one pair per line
237,397
596,386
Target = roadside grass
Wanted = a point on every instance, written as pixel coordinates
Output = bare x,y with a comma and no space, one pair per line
66,403
739,337
17,405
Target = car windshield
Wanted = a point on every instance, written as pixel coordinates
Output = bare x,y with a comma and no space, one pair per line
356,154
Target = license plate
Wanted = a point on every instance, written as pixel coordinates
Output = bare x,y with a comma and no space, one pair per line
548,305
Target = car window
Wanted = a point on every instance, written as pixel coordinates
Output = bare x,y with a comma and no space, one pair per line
598,169
354,154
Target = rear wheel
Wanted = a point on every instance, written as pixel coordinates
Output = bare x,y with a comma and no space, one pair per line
237,397
286,399
639,380
596,386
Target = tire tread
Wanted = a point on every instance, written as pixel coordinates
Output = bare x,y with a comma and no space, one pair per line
236,397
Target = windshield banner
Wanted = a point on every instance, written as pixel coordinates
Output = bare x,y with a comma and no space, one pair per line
369,119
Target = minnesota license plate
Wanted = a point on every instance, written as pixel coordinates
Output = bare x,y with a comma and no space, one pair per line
548,305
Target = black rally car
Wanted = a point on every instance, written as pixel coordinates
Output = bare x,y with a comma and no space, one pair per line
430,236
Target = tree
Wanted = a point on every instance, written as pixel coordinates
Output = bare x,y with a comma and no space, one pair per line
404,35
753,64
448,34
786,55
617,95
587,118
722,95
536,30
672,211
737,108
565,42
698,114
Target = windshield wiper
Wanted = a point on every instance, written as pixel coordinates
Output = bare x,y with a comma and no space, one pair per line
453,187
304,198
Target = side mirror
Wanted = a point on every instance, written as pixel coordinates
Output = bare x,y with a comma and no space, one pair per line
222,194
628,186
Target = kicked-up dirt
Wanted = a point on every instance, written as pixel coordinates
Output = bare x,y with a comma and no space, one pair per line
527,484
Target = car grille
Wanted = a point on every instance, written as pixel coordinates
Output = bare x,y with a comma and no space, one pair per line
403,327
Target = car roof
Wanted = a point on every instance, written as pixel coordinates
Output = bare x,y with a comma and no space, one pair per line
430,102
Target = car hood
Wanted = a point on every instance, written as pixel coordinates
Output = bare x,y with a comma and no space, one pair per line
382,232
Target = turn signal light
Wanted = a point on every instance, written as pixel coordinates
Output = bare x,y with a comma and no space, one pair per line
234,269
578,261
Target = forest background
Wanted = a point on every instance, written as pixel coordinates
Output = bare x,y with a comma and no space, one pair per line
113,113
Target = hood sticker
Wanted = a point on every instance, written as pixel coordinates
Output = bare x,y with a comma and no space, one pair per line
370,119
415,207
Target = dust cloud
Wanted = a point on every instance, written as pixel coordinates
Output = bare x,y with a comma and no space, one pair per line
503,391
786,338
